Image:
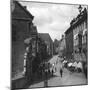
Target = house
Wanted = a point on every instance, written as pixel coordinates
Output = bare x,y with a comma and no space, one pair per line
55,46
79,27
62,46
76,37
69,43
48,41
22,28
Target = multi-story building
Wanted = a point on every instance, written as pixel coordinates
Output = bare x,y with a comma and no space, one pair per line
48,41
56,46
69,43
62,46
21,30
76,37
24,45
79,27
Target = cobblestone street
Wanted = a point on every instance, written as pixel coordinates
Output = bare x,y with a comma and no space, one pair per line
68,78
49,44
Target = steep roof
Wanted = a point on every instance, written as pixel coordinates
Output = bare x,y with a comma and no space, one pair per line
68,30
45,37
20,12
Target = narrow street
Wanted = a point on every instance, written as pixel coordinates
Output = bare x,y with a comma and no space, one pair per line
49,44
67,78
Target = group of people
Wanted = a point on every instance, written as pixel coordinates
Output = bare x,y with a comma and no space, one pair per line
73,66
44,70
55,67
49,69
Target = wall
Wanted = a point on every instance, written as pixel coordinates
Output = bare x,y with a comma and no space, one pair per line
18,47
21,21
62,47
69,43
19,83
81,28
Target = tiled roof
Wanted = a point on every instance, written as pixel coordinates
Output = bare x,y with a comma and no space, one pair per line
21,12
45,37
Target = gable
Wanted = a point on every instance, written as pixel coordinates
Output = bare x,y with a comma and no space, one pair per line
20,12
45,37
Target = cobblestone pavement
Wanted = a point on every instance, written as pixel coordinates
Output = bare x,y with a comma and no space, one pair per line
68,78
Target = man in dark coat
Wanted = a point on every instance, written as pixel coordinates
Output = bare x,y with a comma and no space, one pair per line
61,72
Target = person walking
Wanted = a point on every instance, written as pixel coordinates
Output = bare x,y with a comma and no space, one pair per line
46,79
52,72
61,69
61,72
55,69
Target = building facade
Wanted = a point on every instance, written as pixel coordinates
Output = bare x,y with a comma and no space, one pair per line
76,37
56,46
48,41
79,27
69,43
21,30
62,46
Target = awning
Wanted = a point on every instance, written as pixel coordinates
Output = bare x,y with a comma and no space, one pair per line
74,64
79,65
69,64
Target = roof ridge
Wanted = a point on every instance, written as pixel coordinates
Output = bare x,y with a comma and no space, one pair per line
25,9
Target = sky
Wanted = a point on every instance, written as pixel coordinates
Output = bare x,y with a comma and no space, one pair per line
52,18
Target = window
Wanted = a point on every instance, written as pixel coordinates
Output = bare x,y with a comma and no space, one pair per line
85,24
82,26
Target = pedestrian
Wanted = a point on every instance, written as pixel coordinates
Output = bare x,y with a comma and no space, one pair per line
46,79
52,72
61,72
49,71
55,69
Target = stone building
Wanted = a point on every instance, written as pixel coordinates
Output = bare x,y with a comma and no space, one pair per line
76,37
69,43
79,27
62,46
48,41
21,30
56,46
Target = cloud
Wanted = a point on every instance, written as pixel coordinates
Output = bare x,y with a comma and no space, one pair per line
42,16
52,18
